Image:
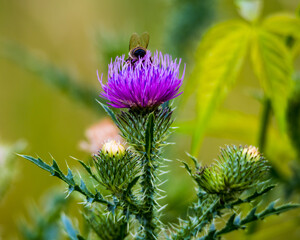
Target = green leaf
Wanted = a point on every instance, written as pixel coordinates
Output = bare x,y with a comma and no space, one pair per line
271,210
131,184
253,216
71,231
249,9
283,24
209,40
253,196
273,66
89,170
149,134
73,186
220,57
39,162
110,112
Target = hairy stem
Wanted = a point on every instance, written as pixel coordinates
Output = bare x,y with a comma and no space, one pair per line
148,189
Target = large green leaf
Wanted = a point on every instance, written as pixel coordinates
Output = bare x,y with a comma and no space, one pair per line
219,60
273,66
283,24
216,33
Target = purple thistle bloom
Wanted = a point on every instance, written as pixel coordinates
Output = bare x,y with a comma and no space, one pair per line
146,83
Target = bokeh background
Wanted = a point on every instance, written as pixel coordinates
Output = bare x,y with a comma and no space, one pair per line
41,41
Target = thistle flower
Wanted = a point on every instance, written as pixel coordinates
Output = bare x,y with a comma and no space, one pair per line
149,82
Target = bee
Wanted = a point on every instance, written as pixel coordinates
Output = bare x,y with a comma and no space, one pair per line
138,46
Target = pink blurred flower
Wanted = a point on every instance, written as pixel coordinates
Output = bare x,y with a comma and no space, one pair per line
98,134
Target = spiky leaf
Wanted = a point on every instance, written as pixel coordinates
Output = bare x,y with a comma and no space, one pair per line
73,186
71,231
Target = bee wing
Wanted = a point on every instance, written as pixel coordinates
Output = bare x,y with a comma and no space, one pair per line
144,39
134,41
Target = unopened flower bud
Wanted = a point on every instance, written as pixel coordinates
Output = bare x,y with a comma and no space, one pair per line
113,148
252,152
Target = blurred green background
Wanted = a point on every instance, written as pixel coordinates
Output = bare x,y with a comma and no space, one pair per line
79,37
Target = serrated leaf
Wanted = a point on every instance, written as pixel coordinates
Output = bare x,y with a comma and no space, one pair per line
283,24
39,162
88,169
272,64
250,215
71,231
70,177
272,210
195,160
110,112
253,196
253,216
216,70
187,167
229,225
85,189
209,40
132,183
72,186
211,233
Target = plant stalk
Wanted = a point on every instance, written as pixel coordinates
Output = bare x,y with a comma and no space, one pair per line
262,141
148,190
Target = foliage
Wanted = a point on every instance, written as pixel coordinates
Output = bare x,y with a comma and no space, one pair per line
215,204
221,54
43,223
222,187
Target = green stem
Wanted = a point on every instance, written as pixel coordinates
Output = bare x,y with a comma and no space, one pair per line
264,122
262,140
148,189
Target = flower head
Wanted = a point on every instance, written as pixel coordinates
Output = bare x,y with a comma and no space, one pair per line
238,169
148,82
113,148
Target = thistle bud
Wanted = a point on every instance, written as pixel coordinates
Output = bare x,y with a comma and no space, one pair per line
116,166
238,169
252,153
113,148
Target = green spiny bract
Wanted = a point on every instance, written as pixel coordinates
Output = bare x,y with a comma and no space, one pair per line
132,125
116,171
199,215
107,226
238,169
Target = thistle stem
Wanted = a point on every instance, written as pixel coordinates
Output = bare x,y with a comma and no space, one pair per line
148,190
264,122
